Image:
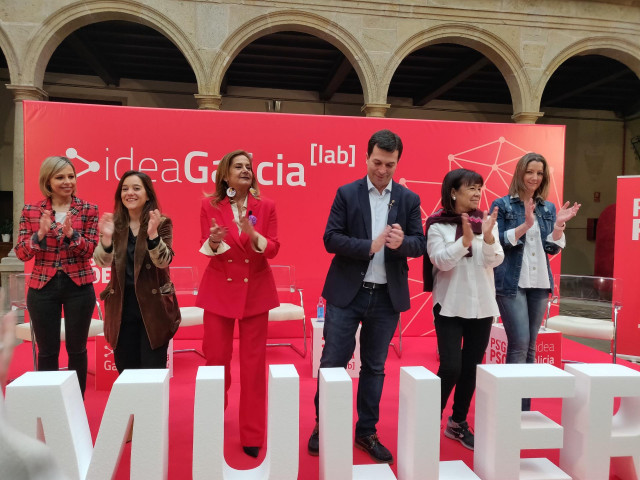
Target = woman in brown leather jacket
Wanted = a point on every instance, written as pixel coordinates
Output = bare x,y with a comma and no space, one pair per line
141,309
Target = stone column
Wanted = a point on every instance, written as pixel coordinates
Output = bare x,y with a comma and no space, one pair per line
11,264
526,117
20,93
375,109
208,102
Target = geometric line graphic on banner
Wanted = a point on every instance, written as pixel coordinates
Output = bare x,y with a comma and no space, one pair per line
495,161
177,150
91,166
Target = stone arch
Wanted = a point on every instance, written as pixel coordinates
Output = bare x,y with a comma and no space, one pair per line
618,49
10,55
298,21
487,43
53,30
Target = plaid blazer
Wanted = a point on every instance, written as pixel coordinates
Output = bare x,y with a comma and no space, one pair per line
56,251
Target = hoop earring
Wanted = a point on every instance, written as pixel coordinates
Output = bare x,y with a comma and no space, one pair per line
231,192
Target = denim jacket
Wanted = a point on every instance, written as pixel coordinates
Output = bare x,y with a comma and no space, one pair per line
511,215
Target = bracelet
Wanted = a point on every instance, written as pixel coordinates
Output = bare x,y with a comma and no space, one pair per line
213,241
560,227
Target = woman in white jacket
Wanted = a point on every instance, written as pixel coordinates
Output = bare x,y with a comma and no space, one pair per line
462,250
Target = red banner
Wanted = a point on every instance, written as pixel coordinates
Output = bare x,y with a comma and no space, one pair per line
627,264
300,161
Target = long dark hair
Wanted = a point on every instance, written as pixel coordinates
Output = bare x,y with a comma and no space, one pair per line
517,182
121,213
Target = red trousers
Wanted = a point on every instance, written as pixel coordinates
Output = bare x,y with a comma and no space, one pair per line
217,345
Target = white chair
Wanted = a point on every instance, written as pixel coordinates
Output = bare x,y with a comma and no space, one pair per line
24,331
588,308
186,282
289,309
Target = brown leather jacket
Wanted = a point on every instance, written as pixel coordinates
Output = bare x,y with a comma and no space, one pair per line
154,290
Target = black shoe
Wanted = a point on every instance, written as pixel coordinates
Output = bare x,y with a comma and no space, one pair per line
374,448
313,447
252,451
461,432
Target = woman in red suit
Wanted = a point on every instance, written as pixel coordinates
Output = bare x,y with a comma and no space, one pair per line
239,233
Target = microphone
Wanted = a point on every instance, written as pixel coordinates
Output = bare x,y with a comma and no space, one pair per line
391,204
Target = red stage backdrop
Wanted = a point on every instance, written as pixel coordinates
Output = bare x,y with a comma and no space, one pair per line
627,264
299,160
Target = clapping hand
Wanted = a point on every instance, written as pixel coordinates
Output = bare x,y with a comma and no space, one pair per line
488,222
467,233
154,221
67,228
246,227
45,224
380,240
106,228
395,237
567,212
216,232
529,216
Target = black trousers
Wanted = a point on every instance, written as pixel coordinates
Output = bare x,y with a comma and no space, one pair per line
461,344
45,309
133,349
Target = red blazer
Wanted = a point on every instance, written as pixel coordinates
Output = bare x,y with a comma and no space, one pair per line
72,255
238,283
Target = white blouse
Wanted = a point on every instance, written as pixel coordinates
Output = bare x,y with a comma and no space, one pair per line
534,273
463,286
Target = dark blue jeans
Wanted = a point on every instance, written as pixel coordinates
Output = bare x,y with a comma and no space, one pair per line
522,316
379,322
45,309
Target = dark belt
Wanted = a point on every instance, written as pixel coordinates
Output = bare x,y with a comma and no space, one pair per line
373,286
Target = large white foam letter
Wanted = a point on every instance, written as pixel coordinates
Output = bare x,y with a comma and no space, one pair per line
281,459
419,430
48,405
502,429
142,395
592,433
336,417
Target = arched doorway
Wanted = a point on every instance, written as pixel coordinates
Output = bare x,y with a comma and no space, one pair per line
447,80
292,72
121,63
597,98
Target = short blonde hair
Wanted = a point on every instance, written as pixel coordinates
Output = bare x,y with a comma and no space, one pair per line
48,169
517,181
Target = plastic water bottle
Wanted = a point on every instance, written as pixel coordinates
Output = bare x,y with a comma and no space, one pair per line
320,311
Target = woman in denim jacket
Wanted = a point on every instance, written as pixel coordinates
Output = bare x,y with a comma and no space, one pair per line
529,230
